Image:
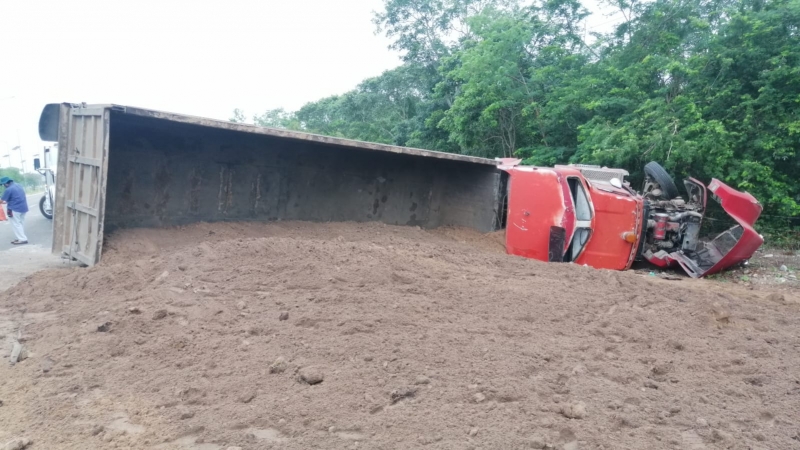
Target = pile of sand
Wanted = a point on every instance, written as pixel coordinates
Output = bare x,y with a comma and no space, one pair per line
297,336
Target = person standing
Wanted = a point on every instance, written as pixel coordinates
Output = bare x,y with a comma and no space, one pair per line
14,197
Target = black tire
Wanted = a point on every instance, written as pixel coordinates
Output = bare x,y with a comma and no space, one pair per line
660,176
41,208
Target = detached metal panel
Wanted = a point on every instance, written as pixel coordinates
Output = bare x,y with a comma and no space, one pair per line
82,169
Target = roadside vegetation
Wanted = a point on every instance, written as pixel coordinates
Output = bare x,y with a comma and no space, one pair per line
30,181
707,88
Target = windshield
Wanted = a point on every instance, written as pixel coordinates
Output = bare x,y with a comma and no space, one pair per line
583,211
583,218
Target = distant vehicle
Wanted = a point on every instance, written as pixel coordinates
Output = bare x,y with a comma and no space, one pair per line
589,215
47,200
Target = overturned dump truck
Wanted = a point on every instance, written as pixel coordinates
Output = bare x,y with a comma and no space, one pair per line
122,166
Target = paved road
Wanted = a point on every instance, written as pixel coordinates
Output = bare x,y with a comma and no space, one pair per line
19,261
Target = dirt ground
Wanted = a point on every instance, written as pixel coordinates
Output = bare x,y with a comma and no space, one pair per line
300,336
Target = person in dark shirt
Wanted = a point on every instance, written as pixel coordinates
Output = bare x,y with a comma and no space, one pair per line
14,197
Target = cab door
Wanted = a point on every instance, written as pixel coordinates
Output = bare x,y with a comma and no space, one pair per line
541,216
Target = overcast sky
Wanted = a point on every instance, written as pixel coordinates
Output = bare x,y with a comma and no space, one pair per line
202,58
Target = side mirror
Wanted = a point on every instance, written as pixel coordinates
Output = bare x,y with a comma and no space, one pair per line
616,183
36,164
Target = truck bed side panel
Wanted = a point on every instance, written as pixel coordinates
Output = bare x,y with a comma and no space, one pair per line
165,173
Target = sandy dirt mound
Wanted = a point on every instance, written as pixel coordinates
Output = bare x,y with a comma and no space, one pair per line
298,336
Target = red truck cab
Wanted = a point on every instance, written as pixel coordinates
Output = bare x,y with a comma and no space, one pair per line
588,215
556,214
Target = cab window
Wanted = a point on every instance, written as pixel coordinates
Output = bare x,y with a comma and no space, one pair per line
583,218
583,211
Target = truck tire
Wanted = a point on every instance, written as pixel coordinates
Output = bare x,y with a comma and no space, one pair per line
660,176
41,208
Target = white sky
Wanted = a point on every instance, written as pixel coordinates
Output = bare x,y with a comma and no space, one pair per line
203,58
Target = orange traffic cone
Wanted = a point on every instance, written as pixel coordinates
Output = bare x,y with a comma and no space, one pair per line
3,214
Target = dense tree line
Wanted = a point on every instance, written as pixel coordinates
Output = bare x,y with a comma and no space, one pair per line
709,88
29,181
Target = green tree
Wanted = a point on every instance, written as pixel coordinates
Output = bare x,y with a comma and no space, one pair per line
238,116
506,77
276,118
427,30
27,181
709,88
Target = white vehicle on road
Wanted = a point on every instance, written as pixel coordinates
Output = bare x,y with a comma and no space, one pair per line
48,198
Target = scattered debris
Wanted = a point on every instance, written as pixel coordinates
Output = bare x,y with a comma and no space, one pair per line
537,442
15,353
350,436
283,316
160,314
671,277
651,384
721,315
247,397
185,413
402,393
573,410
47,364
422,379
279,365
104,328
312,375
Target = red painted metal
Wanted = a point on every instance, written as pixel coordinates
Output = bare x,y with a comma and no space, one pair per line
616,211
661,226
540,198
537,200
744,209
